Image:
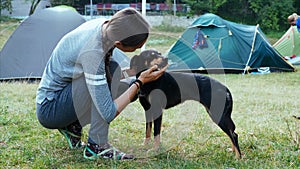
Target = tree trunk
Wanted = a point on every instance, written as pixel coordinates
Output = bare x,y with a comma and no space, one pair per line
34,4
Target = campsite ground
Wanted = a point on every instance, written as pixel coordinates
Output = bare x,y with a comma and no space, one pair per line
263,110
6,29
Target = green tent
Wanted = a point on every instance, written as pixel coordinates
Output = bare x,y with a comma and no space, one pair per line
289,45
212,44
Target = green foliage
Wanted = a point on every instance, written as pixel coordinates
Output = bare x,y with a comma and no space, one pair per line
5,4
165,27
170,4
272,14
67,2
7,26
201,6
269,14
5,19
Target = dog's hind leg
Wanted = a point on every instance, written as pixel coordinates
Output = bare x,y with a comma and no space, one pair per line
227,125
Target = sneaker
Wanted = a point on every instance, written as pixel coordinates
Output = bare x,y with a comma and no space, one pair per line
94,151
73,134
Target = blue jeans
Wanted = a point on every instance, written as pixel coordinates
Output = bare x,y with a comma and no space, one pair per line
59,112
74,103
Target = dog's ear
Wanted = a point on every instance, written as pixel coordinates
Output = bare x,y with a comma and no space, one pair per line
137,63
134,62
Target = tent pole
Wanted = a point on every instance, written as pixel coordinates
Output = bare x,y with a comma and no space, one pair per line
91,9
252,49
144,15
174,8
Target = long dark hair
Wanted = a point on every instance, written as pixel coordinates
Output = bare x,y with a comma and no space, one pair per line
127,26
107,61
135,40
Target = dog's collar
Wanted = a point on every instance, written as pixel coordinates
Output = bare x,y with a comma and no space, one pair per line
125,74
138,74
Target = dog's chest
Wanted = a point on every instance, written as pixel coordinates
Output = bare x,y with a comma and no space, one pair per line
165,90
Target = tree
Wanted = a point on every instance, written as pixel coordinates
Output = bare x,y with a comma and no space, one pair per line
77,4
34,4
68,2
237,11
296,4
272,15
170,4
199,7
5,4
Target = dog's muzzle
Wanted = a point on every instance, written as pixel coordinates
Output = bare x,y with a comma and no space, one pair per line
163,63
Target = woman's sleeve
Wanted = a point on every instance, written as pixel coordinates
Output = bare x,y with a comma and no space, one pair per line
94,71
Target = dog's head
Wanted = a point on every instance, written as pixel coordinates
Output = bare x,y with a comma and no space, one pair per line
147,59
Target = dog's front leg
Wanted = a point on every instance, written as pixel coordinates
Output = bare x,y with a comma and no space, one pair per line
148,132
146,105
157,131
153,117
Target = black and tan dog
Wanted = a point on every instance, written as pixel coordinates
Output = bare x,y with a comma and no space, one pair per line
173,88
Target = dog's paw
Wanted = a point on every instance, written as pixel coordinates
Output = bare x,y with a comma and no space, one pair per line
233,150
147,141
230,150
156,142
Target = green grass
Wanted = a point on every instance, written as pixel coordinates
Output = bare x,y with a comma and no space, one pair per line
263,109
7,26
165,27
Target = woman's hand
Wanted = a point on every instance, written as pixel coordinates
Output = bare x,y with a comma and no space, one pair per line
151,74
147,76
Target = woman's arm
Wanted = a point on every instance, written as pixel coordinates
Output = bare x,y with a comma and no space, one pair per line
145,77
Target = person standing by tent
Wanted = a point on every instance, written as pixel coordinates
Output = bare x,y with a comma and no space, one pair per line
294,20
75,89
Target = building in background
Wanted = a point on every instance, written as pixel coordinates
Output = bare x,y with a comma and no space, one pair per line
21,8
152,8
